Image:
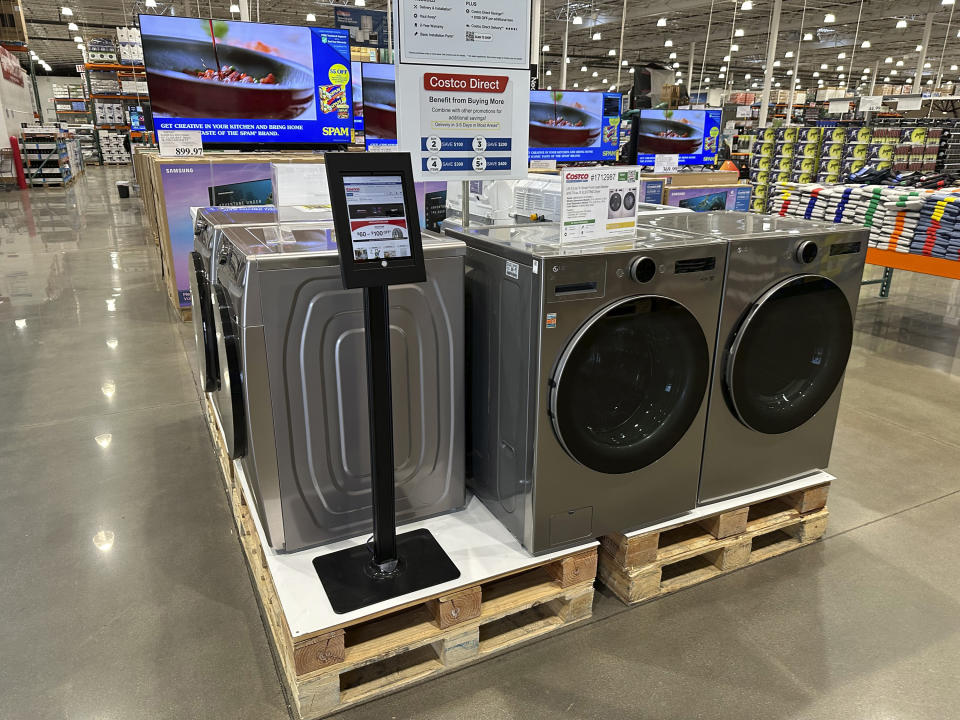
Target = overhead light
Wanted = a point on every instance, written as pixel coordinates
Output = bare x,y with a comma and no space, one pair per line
841,76
676,65
747,76
360,3
566,59
734,48
721,75
66,11
624,63
595,36
829,18
841,56
604,81
33,54
545,48
21,323
662,22
946,2
894,72
919,48
899,63
77,39
310,17
612,88
754,85
723,68
576,84
672,56
577,20
788,54
726,58
929,82
103,540
668,43
80,46
776,84
824,66
234,8
776,63
678,73
747,5
72,27
109,389
150,3
816,73
583,68
104,439
611,52
789,72
839,68
706,79
901,24
926,66
549,87
865,44
954,67
887,79
549,72
631,71
594,74
808,36
863,77
866,71
888,60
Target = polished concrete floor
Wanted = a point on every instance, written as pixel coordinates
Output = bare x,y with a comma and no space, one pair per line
123,592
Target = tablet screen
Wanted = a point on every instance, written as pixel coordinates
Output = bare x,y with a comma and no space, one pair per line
378,219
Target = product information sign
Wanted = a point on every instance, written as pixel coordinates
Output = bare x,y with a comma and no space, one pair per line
460,124
871,103
474,33
598,202
180,143
837,107
666,163
913,102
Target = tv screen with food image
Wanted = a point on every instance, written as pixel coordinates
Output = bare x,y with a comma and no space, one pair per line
242,83
694,135
379,104
574,126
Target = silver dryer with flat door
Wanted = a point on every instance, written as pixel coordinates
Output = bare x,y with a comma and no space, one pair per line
302,417
786,329
589,369
206,234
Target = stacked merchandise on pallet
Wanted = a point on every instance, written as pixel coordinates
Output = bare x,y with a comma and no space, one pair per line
783,155
900,221
938,229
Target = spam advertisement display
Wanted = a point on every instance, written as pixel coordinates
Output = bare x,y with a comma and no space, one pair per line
598,202
574,126
462,125
693,135
241,83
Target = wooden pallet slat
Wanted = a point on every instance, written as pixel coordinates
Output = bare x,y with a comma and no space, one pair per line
647,565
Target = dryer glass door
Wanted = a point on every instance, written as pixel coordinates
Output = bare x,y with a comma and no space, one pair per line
789,354
229,396
203,330
629,384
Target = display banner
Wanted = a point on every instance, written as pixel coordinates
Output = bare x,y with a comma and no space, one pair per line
462,125
598,202
474,33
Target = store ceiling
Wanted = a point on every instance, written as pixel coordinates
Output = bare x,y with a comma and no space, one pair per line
687,22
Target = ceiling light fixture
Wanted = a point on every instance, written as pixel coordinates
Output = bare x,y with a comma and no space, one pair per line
953,67
668,43
583,68
72,27
888,60
824,66
549,72
816,73
311,17
234,8
734,48
747,5
577,20
611,52
673,56
808,36
662,22
926,66
899,63
545,48
360,3
788,53
66,11
919,48
776,63
829,18
738,32
77,39
901,24
594,74
747,76
631,71
865,44
576,84
841,56
150,3
595,36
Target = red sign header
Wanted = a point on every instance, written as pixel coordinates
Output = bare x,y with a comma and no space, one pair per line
465,83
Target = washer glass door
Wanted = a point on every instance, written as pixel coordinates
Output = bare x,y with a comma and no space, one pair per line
789,353
230,393
630,384
203,330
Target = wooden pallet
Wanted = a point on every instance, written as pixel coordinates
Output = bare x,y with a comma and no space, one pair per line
367,658
644,566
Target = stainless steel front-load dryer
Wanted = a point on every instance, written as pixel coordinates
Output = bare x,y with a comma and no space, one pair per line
293,397
785,333
589,369
207,231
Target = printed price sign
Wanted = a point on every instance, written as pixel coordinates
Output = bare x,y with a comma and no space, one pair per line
180,143
666,163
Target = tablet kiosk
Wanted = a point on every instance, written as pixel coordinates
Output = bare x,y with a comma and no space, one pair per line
378,240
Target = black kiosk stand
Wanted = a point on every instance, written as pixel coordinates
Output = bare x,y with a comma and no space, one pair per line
378,240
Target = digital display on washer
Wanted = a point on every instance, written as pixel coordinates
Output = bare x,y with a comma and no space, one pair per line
378,222
847,248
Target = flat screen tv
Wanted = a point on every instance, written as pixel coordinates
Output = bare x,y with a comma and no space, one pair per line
693,135
379,103
251,192
574,126
356,81
249,84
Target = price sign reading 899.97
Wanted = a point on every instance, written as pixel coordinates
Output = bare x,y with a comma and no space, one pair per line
180,143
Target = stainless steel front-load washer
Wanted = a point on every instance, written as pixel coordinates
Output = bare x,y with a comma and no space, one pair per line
207,231
589,369
785,333
292,400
